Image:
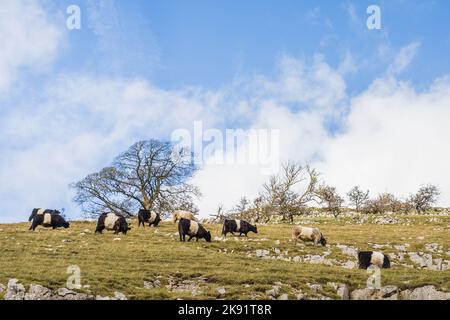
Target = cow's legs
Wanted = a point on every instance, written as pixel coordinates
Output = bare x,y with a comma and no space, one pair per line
190,238
33,226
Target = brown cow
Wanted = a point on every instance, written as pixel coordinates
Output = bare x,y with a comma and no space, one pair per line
308,234
181,214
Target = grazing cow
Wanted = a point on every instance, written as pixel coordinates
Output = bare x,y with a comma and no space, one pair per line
192,229
308,234
40,211
241,226
367,258
180,214
151,217
48,220
112,222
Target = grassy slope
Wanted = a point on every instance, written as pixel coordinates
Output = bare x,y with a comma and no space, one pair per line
109,265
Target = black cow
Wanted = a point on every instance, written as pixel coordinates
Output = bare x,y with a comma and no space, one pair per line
112,222
151,217
367,258
241,226
49,220
192,229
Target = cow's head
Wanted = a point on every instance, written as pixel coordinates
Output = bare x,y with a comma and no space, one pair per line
208,236
323,241
66,224
157,219
253,229
124,226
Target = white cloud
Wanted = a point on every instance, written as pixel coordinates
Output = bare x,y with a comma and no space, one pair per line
393,140
29,39
404,58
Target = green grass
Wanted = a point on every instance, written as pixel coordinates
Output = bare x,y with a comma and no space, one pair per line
109,265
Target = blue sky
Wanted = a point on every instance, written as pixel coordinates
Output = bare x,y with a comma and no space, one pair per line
178,43
354,102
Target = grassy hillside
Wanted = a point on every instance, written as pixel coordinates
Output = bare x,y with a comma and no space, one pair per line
197,269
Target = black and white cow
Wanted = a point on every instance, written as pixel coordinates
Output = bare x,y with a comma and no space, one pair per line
241,226
151,217
112,222
193,229
40,211
49,220
367,258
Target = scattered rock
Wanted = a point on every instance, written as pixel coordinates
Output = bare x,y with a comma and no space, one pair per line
361,294
300,296
343,292
38,292
428,293
66,294
273,293
315,287
14,290
348,250
400,247
262,253
119,296
152,284
385,220
424,260
283,297
393,293
221,291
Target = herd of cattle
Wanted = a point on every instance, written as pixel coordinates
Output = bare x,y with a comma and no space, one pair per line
189,226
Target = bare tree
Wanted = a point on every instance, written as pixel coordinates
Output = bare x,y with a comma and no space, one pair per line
332,200
425,197
150,174
220,216
358,197
281,193
384,202
242,206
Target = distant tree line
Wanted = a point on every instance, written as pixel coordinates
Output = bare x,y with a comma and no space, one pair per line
297,190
